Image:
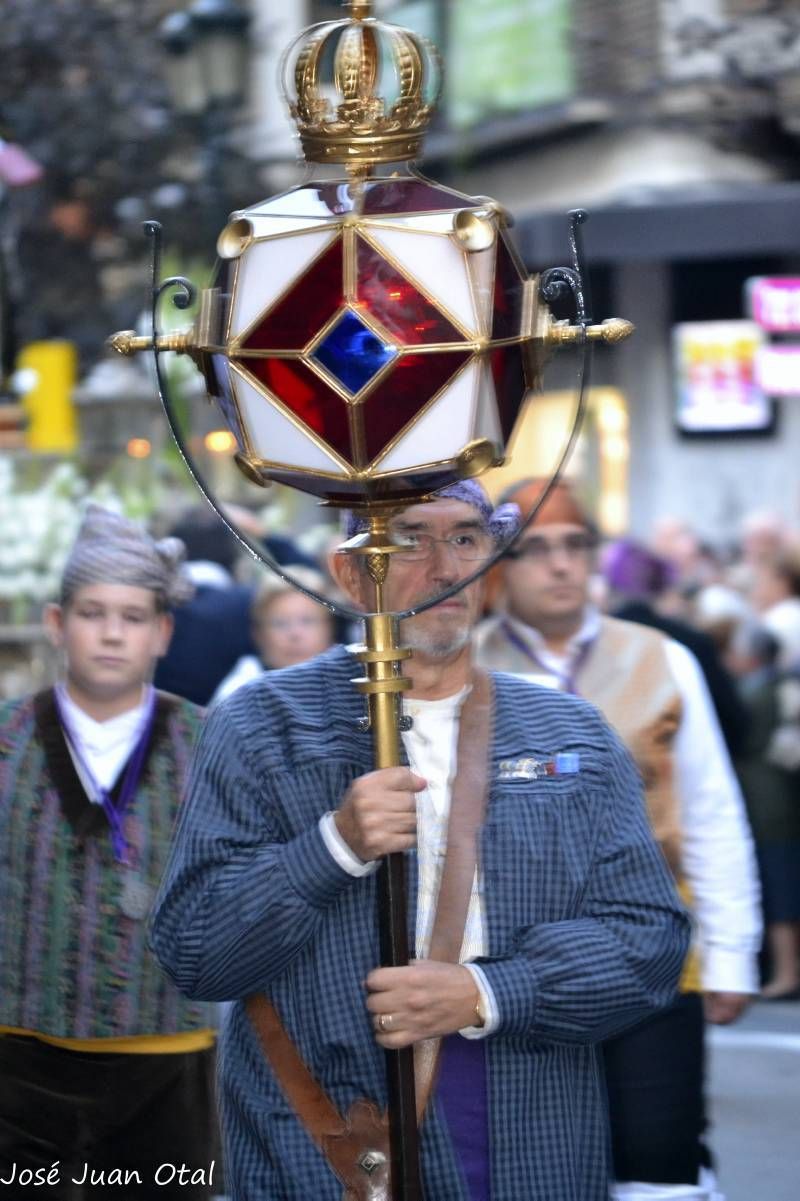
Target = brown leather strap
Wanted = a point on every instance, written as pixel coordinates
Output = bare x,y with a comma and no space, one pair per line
467,809
357,1146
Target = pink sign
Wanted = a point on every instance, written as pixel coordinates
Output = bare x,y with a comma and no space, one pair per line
774,302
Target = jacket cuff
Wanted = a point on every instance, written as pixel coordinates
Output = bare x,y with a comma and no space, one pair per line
513,990
311,869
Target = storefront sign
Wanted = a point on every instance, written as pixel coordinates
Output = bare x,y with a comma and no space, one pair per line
774,302
716,385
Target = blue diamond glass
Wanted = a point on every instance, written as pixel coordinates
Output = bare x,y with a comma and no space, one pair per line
352,353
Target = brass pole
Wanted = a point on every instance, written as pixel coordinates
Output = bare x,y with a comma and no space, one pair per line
382,685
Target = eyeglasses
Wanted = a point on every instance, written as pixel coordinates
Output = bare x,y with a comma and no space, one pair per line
469,545
537,550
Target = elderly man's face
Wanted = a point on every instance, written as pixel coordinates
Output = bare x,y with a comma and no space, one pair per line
447,541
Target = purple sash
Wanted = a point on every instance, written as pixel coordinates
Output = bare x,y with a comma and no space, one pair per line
462,1094
114,811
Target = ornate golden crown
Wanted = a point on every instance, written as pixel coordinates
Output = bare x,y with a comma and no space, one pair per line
330,76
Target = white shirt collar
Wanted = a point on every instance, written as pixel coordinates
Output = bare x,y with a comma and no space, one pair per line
558,664
101,737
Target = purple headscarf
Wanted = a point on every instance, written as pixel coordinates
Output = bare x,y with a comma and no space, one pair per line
502,523
633,570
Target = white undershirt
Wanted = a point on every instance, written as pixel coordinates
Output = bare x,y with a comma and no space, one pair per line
105,745
431,746
718,858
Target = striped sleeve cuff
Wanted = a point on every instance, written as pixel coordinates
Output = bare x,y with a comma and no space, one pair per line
338,848
488,1004
311,870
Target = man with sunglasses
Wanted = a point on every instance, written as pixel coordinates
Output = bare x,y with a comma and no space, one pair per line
652,692
568,924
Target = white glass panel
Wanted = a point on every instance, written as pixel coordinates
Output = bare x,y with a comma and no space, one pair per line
268,226
432,223
438,264
487,419
274,436
308,201
267,268
442,431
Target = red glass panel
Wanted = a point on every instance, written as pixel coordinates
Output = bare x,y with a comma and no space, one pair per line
410,195
308,397
508,293
397,304
305,308
400,396
509,380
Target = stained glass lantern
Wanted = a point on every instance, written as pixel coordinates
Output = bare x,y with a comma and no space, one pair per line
368,349
371,337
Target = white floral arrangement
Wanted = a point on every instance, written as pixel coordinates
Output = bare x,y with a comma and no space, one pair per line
39,525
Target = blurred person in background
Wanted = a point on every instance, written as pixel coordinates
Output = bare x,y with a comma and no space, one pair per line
287,627
694,563
775,595
213,631
636,578
763,536
650,688
719,610
105,1069
769,772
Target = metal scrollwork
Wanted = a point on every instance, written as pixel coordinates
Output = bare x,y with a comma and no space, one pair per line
559,282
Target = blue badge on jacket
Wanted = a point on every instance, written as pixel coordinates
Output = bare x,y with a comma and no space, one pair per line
565,763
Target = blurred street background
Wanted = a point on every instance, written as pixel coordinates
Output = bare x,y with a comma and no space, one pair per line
754,1090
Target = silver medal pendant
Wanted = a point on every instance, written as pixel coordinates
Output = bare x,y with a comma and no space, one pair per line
136,897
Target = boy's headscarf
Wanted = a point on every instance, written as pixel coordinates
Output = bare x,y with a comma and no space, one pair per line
110,549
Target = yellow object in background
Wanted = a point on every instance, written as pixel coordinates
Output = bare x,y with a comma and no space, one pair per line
52,422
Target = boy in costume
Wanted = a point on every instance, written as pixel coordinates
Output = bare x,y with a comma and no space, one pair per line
105,1069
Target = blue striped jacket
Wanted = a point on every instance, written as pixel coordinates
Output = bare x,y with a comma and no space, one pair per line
585,933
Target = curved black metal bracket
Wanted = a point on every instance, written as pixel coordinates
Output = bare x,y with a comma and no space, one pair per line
558,282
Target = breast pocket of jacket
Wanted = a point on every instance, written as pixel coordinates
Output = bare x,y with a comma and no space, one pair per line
537,846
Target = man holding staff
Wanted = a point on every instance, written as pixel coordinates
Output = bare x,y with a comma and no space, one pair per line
544,916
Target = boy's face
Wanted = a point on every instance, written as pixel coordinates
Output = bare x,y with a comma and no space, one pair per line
111,635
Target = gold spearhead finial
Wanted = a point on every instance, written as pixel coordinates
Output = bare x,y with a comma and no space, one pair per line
612,330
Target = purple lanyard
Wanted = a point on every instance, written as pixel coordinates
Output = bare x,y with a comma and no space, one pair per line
567,681
115,812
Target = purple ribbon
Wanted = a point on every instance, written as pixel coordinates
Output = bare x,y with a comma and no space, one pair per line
569,680
115,812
